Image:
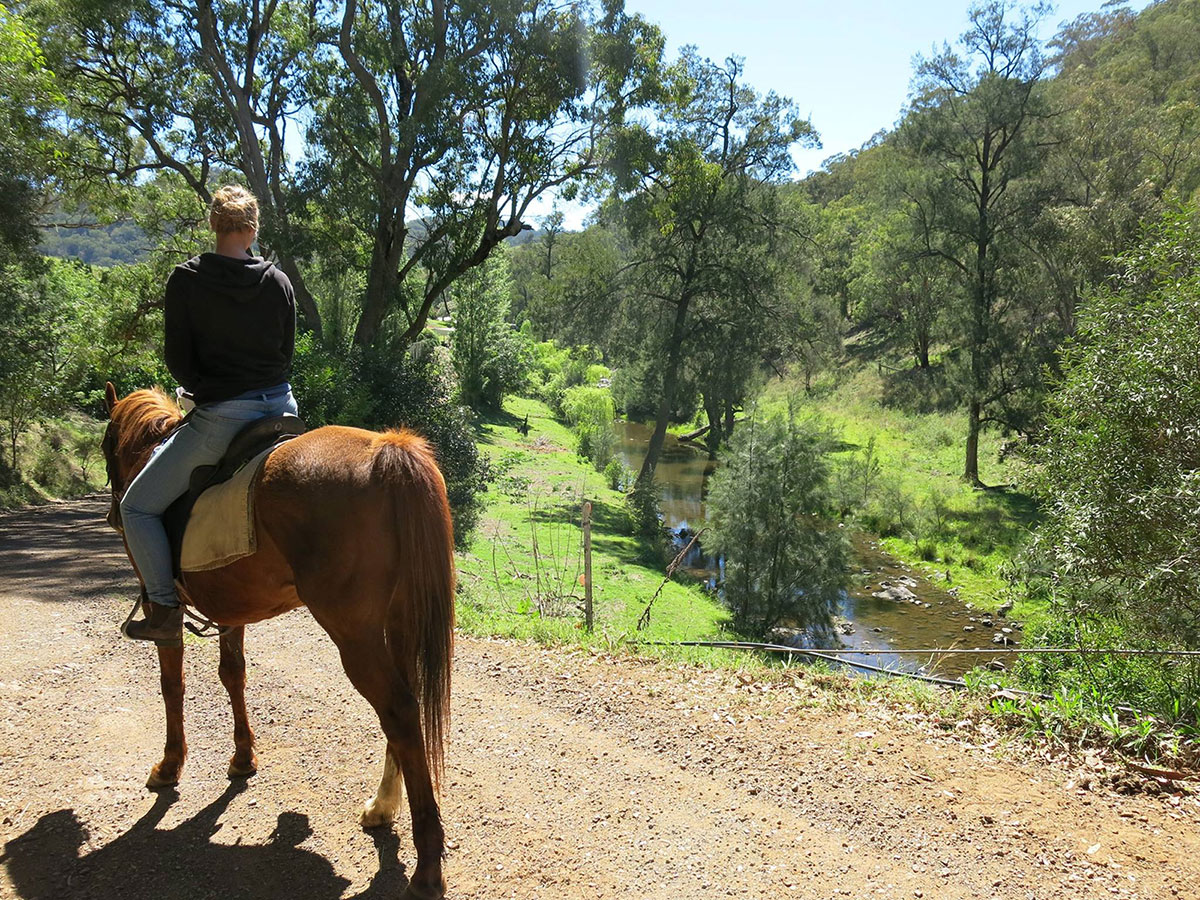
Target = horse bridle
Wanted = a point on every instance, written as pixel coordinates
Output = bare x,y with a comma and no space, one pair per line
108,448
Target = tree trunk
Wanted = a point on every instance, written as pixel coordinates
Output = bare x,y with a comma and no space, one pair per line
729,421
981,313
712,409
971,469
381,281
667,402
923,356
304,299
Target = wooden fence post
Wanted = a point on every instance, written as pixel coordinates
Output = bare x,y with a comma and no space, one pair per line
587,565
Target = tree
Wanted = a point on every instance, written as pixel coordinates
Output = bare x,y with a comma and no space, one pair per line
201,102
29,161
1119,478
695,191
50,333
490,355
900,286
464,116
1125,147
783,561
30,152
971,126
431,127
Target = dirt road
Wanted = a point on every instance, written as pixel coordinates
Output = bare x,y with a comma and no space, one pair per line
568,775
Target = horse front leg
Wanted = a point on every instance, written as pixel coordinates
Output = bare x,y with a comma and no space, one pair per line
166,773
233,675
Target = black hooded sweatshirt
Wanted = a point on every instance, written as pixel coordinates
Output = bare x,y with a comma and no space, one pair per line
230,326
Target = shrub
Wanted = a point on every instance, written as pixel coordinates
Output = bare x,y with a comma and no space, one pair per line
589,410
563,368
618,475
767,508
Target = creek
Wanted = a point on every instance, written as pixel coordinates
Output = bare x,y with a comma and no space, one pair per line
930,616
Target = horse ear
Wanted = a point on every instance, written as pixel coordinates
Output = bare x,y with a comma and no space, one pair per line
110,397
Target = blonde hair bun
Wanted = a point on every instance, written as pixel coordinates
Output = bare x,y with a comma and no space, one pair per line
233,209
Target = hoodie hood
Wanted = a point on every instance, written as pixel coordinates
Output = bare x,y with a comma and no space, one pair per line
239,279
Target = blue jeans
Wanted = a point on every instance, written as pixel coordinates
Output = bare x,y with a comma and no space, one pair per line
202,441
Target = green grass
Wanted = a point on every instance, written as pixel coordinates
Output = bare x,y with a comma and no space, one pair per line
508,588
916,499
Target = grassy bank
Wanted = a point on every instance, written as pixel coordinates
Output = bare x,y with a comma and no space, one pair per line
521,574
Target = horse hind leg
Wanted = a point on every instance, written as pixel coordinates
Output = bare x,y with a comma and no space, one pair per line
402,724
371,670
381,809
232,670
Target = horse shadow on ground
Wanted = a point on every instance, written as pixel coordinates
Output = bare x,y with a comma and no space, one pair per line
147,862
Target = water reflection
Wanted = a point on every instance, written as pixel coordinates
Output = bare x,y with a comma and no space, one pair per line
926,615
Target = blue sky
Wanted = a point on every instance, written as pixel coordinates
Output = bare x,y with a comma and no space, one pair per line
846,64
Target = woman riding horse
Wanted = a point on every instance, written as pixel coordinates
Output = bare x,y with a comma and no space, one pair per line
230,323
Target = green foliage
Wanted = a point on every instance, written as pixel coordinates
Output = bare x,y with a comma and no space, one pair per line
30,149
785,563
590,412
411,388
1163,687
642,505
971,136
115,244
51,330
695,202
1119,466
556,369
637,387
617,475
490,356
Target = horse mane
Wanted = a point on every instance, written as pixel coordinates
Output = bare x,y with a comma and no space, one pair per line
145,417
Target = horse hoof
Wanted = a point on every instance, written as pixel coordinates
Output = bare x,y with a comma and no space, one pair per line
243,771
374,815
420,892
158,780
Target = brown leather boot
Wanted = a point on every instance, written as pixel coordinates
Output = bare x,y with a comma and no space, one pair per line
161,624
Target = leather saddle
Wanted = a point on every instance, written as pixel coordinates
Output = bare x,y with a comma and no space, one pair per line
256,437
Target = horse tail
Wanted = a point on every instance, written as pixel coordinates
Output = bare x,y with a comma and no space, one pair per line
420,619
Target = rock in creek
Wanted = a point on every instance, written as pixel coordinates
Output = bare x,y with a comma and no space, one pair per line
897,592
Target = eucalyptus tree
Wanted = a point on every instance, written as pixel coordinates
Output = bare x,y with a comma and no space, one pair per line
197,89
425,128
971,127
695,189
437,126
1126,146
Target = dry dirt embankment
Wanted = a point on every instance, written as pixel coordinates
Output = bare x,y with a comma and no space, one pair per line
568,776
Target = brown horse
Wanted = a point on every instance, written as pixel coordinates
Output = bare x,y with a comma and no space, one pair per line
355,526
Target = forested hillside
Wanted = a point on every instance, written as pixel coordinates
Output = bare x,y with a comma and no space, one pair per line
970,337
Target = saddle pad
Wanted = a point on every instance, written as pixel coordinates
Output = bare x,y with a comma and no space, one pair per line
220,529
